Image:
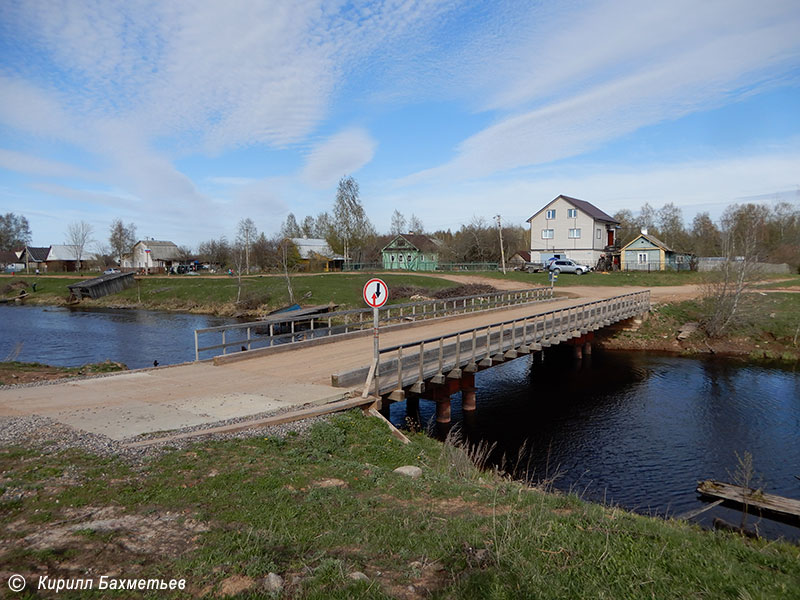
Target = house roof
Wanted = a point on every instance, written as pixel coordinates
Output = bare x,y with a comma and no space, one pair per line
587,207
307,247
652,239
421,242
67,252
524,255
7,257
37,254
160,250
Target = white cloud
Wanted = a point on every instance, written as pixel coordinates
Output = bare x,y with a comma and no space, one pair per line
342,154
693,186
83,196
619,68
33,165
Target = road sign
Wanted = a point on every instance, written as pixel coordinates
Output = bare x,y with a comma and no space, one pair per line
376,293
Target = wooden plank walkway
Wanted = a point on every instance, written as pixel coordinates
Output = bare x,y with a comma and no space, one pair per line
755,500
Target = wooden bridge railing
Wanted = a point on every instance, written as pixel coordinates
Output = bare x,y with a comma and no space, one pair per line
434,359
293,329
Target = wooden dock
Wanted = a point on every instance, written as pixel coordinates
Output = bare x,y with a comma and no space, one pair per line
756,501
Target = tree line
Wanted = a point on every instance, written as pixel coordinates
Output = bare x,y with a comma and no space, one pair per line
775,230
349,232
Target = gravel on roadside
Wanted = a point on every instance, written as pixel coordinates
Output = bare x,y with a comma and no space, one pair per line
49,436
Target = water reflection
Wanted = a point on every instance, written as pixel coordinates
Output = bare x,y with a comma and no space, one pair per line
639,429
73,337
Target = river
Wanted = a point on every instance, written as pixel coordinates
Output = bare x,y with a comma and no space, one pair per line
71,337
634,429
639,430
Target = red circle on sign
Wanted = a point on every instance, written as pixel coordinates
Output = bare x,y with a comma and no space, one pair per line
375,293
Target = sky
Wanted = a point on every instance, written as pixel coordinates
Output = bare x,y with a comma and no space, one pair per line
186,117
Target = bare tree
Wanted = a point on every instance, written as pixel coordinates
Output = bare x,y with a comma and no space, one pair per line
398,223
350,227
671,227
742,228
290,228
121,238
79,235
415,224
287,253
246,235
706,239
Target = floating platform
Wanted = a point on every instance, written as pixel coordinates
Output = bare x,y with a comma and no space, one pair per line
756,501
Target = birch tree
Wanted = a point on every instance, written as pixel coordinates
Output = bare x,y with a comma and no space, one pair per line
79,235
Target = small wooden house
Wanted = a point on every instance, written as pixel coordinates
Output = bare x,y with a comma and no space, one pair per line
647,253
411,252
34,258
316,254
67,258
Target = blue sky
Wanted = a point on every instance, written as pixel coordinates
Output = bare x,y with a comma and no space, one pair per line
185,117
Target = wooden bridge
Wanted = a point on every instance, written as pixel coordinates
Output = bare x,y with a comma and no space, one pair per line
419,358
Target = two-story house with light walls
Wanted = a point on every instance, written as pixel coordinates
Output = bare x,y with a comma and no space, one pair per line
573,228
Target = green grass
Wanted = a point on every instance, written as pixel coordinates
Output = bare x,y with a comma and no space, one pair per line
785,281
487,537
768,325
210,295
620,278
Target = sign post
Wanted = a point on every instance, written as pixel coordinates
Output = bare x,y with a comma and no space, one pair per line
375,295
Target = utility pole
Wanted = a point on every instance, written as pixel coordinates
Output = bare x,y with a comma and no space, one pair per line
502,250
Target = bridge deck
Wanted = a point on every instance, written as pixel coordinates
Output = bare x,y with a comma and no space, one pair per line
174,397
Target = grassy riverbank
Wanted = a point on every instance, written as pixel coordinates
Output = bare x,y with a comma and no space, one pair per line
768,328
318,507
217,295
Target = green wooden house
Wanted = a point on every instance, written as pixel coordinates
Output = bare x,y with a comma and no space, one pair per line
647,253
411,252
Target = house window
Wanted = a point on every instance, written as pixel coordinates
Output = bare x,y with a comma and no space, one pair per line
551,214
547,234
679,258
408,258
642,258
401,258
599,234
392,258
572,213
575,233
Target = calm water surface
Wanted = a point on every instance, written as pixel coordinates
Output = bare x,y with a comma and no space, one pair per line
640,430
73,337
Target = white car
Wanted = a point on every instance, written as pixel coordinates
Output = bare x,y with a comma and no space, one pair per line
565,265
110,271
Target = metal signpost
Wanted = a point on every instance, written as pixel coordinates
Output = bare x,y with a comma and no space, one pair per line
375,295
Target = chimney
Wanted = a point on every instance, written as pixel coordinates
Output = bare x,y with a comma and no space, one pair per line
644,230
